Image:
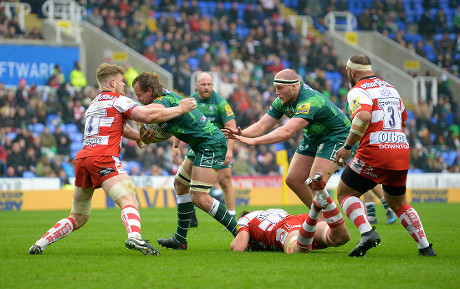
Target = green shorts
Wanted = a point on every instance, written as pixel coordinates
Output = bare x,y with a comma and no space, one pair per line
209,155
325,148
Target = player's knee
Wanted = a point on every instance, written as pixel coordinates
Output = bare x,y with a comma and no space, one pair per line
181,178
122,188
81,208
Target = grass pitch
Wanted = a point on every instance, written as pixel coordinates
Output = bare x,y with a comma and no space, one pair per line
95,255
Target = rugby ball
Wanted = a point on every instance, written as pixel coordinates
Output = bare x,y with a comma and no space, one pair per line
160,134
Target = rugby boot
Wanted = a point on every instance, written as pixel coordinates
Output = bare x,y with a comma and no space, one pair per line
428,251
193,220
35,250
391,217
141,245
172,243
368,240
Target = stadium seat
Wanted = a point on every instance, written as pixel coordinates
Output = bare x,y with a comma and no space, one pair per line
76,137
71,128
69,170
28,174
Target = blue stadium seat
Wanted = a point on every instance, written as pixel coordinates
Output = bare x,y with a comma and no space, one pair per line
70,128
28,174
76,146
11,135
69,170
76,137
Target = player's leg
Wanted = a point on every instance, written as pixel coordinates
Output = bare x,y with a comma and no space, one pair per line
391,216
369,203
351,187
298,172
81,209
120,189
327,236
200,186
410,220
291,244
224,178
185,208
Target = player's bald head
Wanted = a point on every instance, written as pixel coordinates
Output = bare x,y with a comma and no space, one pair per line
286,76
203,76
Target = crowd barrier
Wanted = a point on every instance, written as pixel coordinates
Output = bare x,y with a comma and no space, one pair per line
18,194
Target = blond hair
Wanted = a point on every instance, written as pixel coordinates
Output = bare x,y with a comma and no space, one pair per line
107,70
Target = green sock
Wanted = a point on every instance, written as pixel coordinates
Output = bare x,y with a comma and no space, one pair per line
370,208
184,211
219,212
385,205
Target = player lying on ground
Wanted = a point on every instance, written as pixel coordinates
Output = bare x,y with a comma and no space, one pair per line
276,230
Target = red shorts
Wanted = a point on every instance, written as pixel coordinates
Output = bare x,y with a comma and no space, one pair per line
392,178
92,171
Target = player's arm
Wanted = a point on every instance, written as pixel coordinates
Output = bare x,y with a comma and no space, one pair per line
278,135
241,241
257,129
229,156
155,113
358,128
133,134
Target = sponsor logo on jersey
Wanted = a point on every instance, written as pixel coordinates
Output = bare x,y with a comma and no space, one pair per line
211,108
229,110
107,97
303,108
388,137
355,105
203,118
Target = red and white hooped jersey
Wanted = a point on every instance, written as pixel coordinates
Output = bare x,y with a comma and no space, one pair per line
384,144
104,123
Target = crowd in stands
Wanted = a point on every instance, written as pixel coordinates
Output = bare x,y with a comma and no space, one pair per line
246,43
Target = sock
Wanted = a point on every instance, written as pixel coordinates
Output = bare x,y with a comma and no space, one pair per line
370,208
132,221
384,203
411,221
356,212
62,228
332,214
219,212
232,212
307,231
185,209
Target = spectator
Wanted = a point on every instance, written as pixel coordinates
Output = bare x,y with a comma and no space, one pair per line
77,77
15,161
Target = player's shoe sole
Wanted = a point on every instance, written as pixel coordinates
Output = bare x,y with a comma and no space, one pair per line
172,243
141,245
368,240
35,250
428,251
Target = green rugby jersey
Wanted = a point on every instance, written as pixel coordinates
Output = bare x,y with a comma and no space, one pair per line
193,127
323,116
215,108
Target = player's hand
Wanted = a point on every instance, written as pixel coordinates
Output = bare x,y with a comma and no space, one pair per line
341,156
187,104
247,140
140,143
176,155
228,158
231,132
147,136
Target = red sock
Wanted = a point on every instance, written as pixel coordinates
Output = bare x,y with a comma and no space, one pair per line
356,212
411,221
132,221
61,229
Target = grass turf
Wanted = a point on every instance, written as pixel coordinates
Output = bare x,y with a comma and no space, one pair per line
95,255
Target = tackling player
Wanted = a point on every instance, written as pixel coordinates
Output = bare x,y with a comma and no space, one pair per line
98,164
